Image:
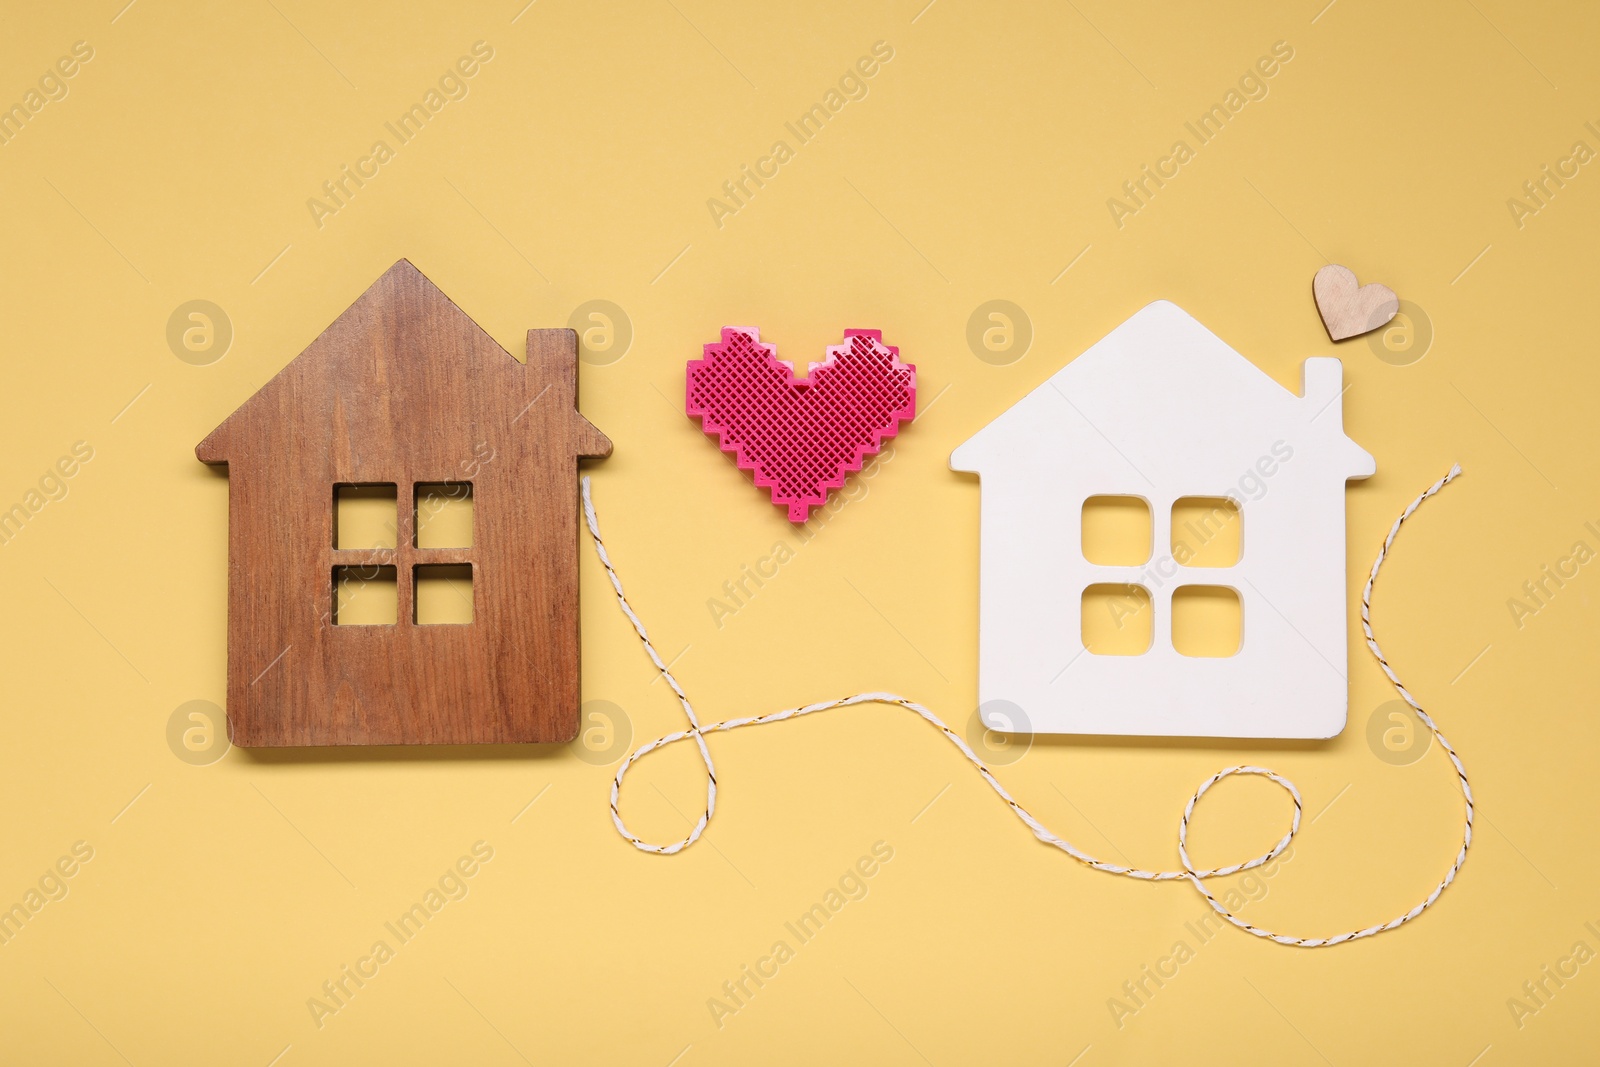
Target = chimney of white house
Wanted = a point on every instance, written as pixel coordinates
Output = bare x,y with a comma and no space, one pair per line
1323,390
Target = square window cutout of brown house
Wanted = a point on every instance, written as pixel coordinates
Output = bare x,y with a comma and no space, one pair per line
406,393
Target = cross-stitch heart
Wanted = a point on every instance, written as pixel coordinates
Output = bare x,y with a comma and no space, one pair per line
800,437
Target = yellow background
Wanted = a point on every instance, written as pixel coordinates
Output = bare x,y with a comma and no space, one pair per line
978,167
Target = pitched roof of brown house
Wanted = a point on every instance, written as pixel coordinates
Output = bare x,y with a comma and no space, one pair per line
401,315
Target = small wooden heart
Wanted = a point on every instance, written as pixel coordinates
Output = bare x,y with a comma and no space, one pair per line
1349,310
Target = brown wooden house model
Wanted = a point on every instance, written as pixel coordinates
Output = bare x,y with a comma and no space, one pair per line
405,396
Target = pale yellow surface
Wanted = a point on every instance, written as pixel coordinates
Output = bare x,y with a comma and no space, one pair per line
219,898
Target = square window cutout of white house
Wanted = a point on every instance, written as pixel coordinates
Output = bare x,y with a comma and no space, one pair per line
1224,612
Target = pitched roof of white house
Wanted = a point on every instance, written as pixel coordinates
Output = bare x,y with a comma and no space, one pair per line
1163,400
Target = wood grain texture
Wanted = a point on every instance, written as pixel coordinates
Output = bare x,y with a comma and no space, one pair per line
405,388
1349,310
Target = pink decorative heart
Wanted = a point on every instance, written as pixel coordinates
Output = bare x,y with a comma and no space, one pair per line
800,437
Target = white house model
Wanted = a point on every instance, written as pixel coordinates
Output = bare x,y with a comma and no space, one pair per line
1161,410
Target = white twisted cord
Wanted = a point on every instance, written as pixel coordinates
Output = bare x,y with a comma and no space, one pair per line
1188,873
